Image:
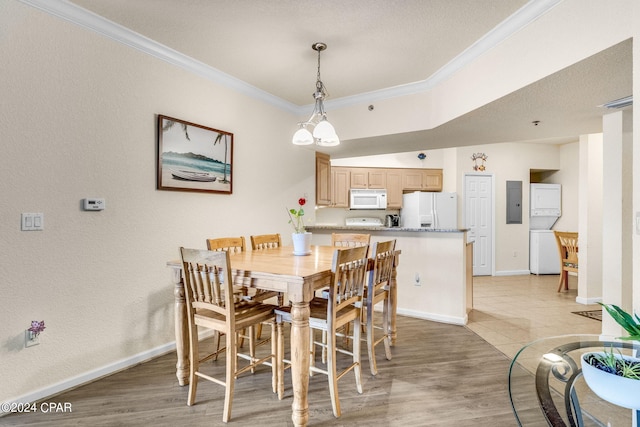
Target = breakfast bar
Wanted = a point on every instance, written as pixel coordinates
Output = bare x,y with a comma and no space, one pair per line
435,281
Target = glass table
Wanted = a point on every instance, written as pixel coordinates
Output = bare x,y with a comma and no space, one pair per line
546,387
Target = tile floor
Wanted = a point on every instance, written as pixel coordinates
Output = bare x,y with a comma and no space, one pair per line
511,311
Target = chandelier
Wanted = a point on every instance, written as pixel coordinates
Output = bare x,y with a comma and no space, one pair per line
323,132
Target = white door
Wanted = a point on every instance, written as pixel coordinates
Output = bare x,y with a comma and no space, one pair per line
478,209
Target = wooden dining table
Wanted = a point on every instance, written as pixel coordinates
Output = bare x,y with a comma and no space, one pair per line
276,269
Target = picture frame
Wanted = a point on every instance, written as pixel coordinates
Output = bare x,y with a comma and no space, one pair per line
193,157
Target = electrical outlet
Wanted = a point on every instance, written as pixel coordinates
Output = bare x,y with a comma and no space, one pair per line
31,339
515,254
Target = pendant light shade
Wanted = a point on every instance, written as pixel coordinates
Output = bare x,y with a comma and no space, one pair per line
324,134
324,130
302,137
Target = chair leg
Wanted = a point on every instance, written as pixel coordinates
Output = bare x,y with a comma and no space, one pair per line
252,346
216,343
370,343
333,375
357,370
386,326
563,279
193,366
280,358
232,353
274,357
324,347
312,350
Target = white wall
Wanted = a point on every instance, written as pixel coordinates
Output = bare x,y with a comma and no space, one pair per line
79,120
568,176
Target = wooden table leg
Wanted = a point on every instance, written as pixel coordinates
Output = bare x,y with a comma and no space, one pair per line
300,362
182,334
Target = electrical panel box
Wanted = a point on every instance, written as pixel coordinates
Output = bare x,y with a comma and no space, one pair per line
94,204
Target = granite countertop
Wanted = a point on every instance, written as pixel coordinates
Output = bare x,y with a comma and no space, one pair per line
378,228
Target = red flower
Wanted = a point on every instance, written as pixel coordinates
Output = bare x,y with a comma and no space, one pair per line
302,201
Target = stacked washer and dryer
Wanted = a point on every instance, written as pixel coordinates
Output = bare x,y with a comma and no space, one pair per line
545,209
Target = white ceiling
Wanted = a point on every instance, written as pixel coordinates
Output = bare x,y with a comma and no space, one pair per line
375,45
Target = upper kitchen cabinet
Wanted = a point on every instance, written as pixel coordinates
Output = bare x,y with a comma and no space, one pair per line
432,179
368,178
394,188
422,179
340,182
323,179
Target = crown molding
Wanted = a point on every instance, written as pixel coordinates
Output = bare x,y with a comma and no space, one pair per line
73,13
514,23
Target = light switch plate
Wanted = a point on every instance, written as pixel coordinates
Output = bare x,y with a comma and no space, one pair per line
32,222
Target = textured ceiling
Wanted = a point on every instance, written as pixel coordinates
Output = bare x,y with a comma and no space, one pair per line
375,45
372,44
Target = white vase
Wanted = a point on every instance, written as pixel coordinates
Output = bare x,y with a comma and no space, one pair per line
301,243
613,388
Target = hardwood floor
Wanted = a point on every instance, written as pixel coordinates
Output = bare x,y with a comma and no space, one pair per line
440,375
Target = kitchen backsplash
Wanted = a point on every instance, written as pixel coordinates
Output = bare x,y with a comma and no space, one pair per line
337,216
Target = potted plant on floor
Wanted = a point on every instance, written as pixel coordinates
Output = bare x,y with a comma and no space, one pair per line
613,376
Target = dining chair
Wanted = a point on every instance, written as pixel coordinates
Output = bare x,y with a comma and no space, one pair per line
210,304
230,244
265,241
349,239
568,250
343,306
343,240
376,291
235,245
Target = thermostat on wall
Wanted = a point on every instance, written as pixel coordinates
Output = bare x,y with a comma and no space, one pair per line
94,204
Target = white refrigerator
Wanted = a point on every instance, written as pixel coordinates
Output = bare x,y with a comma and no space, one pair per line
435,210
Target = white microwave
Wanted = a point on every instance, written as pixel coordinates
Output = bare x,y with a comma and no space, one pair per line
367,199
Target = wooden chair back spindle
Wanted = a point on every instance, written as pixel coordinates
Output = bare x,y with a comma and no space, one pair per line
349,240
232,245
265,241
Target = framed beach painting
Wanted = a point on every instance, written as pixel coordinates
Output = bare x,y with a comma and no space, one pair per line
193,157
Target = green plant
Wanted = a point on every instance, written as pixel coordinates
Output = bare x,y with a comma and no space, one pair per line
631,324
620,366
295,216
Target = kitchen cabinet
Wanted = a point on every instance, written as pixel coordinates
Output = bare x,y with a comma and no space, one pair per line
359,178
340,182
377,178
422,179
368,178
323,179
394,188
412,179
432,179
333,183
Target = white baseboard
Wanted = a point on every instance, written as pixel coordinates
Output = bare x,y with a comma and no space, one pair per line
87,377
513,273
434,317
587,301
